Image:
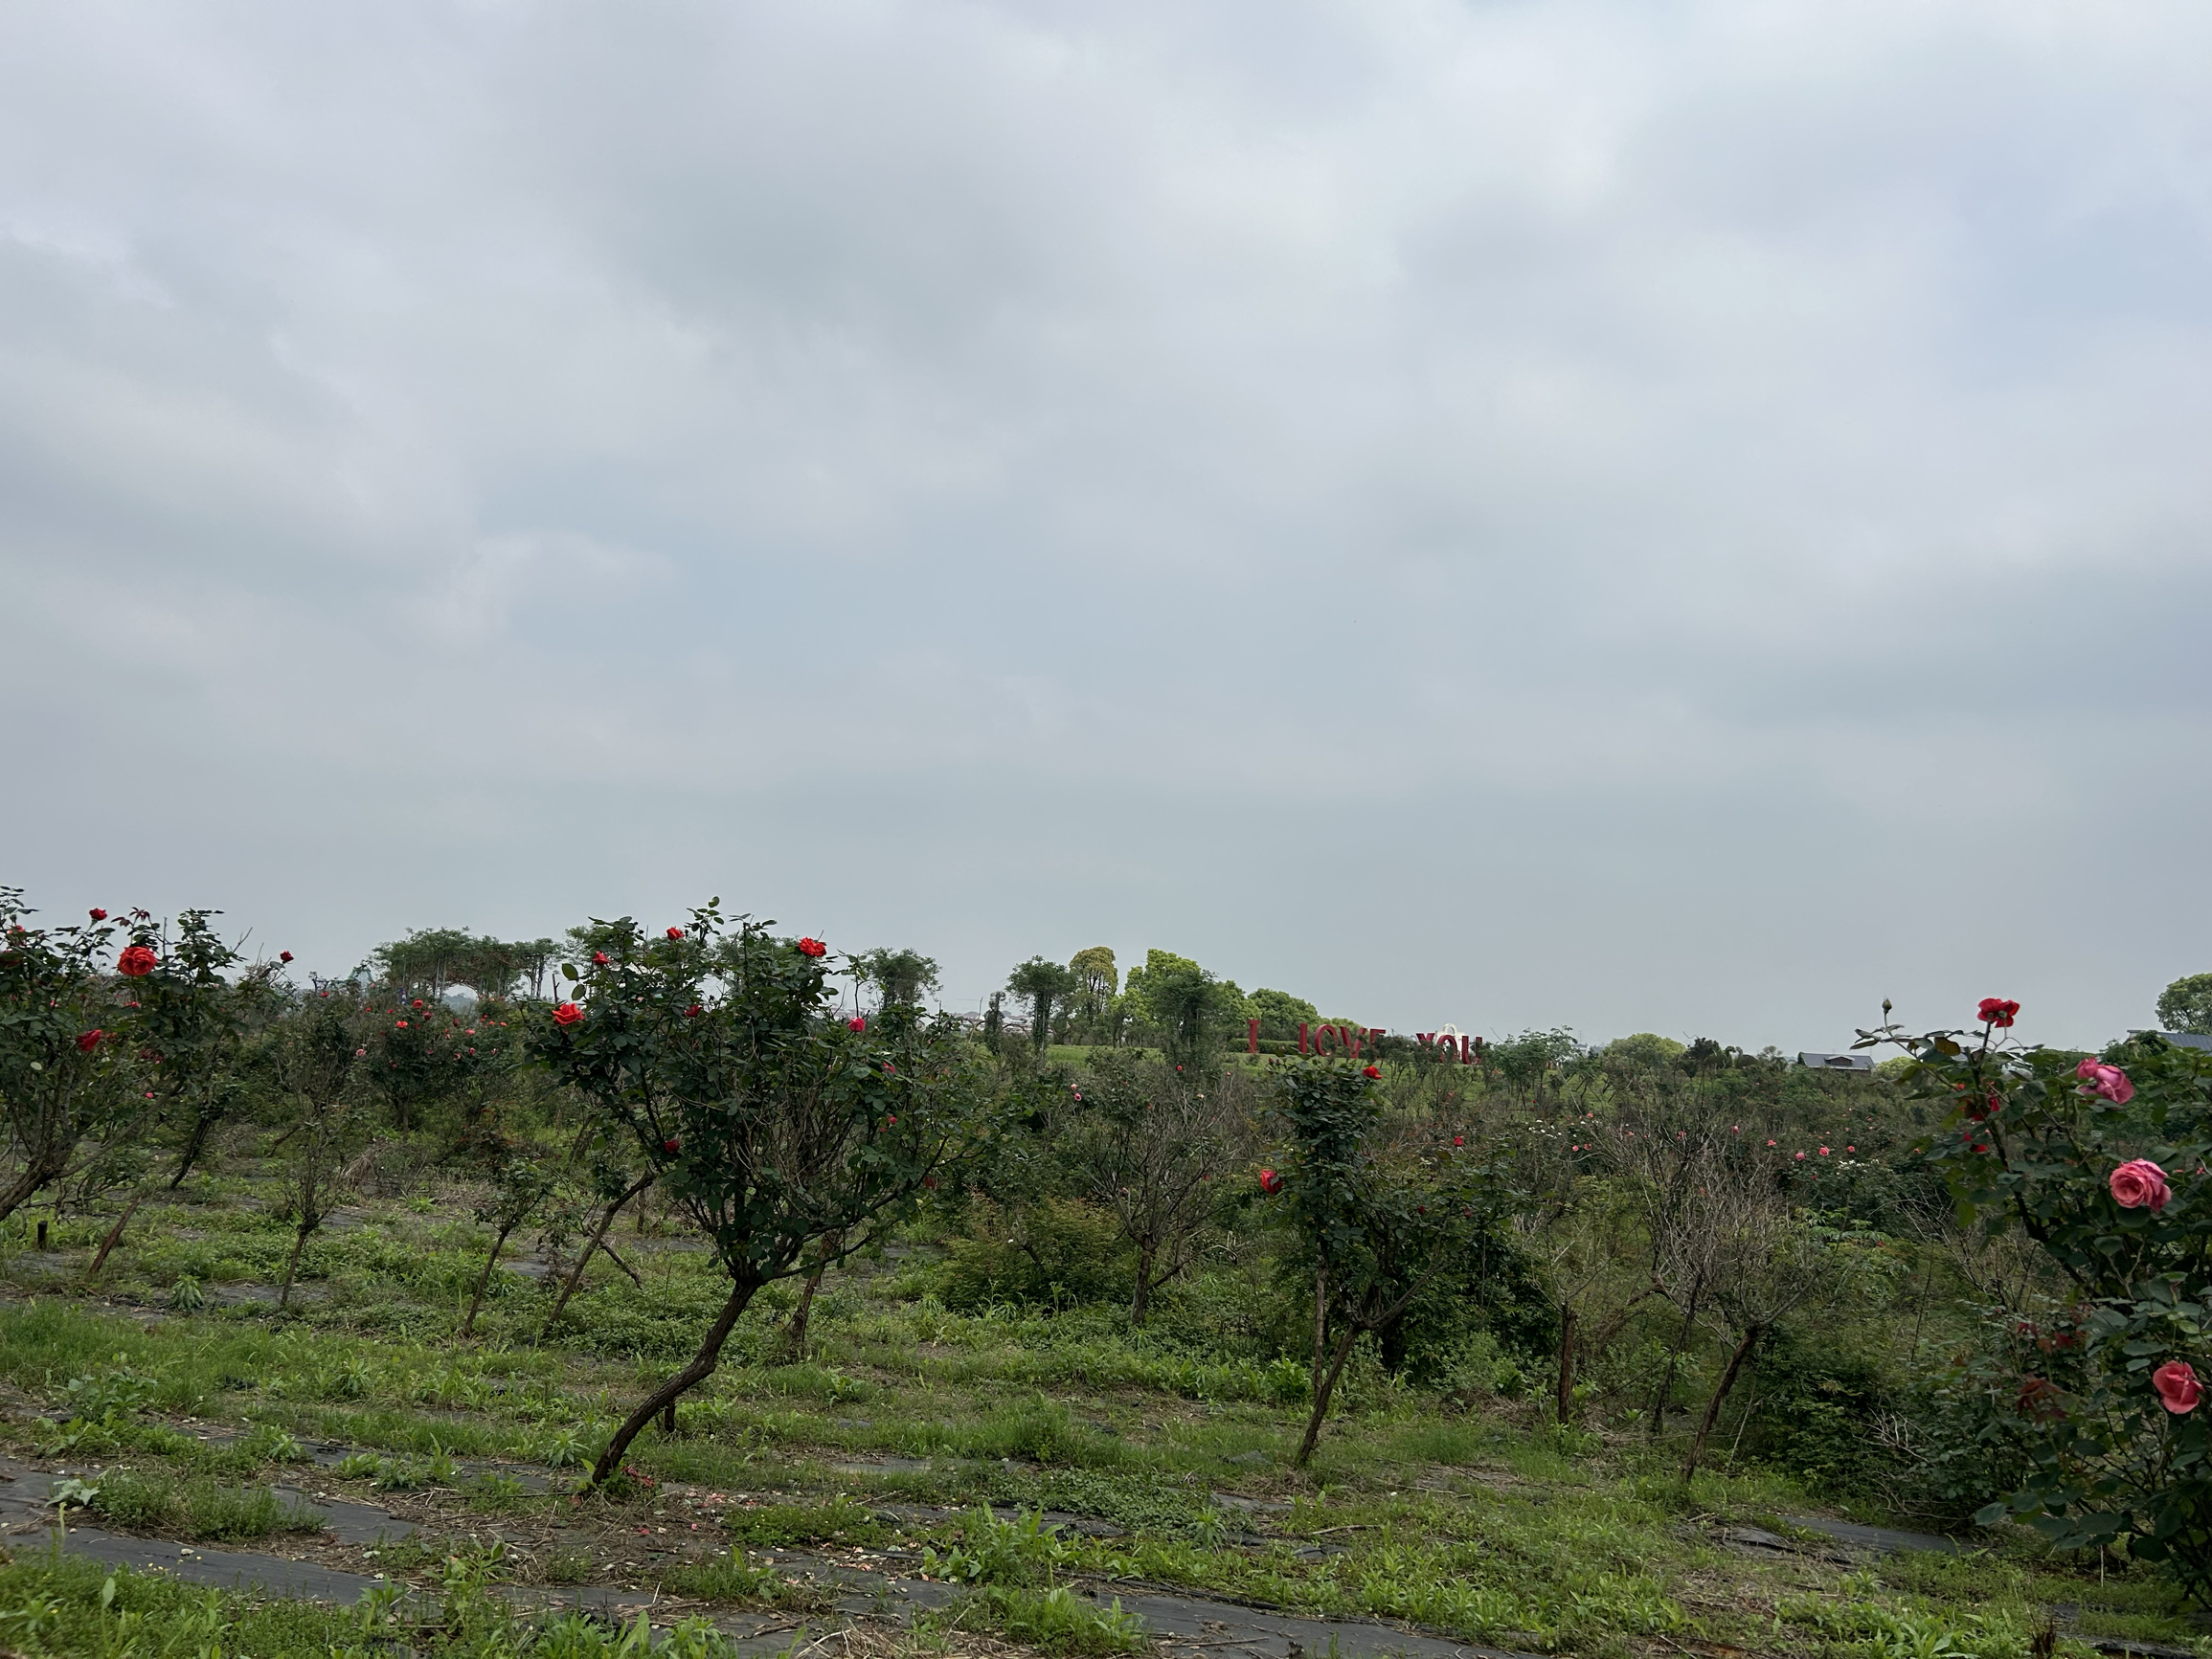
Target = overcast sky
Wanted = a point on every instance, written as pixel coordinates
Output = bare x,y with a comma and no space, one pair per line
1674,517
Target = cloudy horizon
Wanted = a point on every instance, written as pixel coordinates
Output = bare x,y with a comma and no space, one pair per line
1685,519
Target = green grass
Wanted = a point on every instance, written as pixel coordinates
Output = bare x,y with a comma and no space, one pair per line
1481,1522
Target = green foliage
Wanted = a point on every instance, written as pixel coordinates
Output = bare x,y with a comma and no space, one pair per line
1648,1047
1188,1009
768,1120
1054,1253
1047,985
2186,1006
899,977
985,1550
1280,1014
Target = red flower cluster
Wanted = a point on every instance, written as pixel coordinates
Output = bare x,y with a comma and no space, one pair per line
567,1013
856,1023
136,962
809,947
283,955
675,932
99,914
598,958
1370,1072
1270,1182
1997,1011
90,1040
693,1012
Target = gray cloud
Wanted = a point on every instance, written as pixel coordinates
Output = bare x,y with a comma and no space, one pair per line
1686,519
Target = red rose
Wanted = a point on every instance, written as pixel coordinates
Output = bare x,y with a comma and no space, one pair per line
88,1041
401,1026
693,1012
2179,1390
283,955
1459,1140
1270,1181
416,1003
890,1123
675,932
567,1013
136,962
1996,1011
99,914
889,1070
931,1182
856,1023
671,1145
812,948
598,958
1370,1072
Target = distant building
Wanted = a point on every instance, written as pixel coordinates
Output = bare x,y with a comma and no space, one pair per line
1837,1062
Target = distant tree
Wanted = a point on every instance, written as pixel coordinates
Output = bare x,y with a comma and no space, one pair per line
1184,1004
2186,1006
426,963
1097,980
1645,1048
899,977
534,960
1525,1059
1044,983
994,1023
1280,1014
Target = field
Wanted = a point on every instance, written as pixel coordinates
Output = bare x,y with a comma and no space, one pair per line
175,1391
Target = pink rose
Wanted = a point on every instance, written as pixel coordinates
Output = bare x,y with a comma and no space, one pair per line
2109,1081
2138,1183
2179,1389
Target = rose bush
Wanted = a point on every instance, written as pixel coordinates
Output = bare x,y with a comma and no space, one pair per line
790,1138
2102,1163
70,1076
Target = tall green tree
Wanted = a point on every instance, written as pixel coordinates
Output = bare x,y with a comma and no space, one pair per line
1097,981
1045,984
2186,1006
1186,1007
1280,1014
899,977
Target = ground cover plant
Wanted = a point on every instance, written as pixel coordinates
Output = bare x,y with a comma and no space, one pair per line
706,1280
